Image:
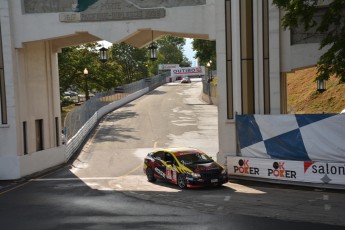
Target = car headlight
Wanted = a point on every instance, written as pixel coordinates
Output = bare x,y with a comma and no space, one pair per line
195,175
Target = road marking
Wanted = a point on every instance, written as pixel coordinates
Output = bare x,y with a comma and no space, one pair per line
74,179
133,170
327,207
220,208
27,182
227,198
18,186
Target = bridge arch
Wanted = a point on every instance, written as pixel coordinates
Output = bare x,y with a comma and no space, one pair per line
34,31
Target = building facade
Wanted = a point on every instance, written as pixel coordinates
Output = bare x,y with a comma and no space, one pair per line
253,56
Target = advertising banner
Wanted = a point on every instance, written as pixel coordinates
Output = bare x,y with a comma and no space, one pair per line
168,66
295,137
285,170
188,71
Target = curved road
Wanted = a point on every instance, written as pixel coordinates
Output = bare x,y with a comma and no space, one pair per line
104,187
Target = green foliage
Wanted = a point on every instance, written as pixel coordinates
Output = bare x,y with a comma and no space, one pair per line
131,60
332,24
205,52
170,51
73,61
126,64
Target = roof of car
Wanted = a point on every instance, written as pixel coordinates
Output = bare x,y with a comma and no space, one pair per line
182,150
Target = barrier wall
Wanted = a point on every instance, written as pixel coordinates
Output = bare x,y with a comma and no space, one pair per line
288,171
309,137
295,148
76,141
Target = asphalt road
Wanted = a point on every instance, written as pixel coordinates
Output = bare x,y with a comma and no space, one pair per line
104,186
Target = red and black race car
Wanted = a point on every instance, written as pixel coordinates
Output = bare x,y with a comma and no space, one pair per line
186,167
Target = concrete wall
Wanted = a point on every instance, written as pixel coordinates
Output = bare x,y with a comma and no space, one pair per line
8,132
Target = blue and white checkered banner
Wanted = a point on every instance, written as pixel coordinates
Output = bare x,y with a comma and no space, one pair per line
311,137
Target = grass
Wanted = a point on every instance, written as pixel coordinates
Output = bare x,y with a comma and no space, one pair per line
304,99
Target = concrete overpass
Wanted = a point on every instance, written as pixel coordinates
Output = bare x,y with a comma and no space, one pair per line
253,55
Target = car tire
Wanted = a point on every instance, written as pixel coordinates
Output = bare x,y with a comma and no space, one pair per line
181,181
150,175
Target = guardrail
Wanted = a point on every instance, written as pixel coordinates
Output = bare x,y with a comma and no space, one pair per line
79,122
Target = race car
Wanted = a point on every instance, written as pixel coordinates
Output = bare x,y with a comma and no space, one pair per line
186,167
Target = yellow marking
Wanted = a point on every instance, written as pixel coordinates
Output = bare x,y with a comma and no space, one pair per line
139,166
18,186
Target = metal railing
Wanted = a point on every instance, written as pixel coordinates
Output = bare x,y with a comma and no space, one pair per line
75,119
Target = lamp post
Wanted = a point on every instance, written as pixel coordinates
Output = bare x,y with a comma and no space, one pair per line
209,71
153,49
321,85
103,54
86,72
208,78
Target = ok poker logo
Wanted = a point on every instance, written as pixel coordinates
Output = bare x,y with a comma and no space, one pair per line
279,171
244,168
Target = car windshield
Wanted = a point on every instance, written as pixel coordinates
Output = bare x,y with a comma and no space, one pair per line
194,158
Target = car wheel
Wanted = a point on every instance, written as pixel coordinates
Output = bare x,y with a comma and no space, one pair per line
181,181
150,175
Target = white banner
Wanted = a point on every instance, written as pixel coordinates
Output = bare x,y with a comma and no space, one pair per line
168,66
299,171
188,71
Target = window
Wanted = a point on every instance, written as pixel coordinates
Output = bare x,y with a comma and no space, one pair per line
247,56
229,78
25,143
3,111
39,134
159,155
57,131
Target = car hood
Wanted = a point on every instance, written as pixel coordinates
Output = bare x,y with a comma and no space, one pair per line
204,167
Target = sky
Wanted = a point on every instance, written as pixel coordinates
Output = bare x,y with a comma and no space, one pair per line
188,51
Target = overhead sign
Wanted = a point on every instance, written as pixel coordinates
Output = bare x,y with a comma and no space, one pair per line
168,66
109,10
188,71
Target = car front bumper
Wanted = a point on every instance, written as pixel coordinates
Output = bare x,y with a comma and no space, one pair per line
200,182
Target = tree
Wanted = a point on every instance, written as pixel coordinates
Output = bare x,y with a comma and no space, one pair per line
73,61
332,25
170,51
205,52
131,60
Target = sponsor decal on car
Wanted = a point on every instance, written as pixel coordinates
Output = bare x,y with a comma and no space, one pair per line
206,168
162,174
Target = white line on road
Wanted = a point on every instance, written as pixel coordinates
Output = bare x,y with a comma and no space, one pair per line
73,179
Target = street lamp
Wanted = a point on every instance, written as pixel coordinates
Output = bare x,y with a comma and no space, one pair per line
103,54
209,70
153,49
86,72
321,85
